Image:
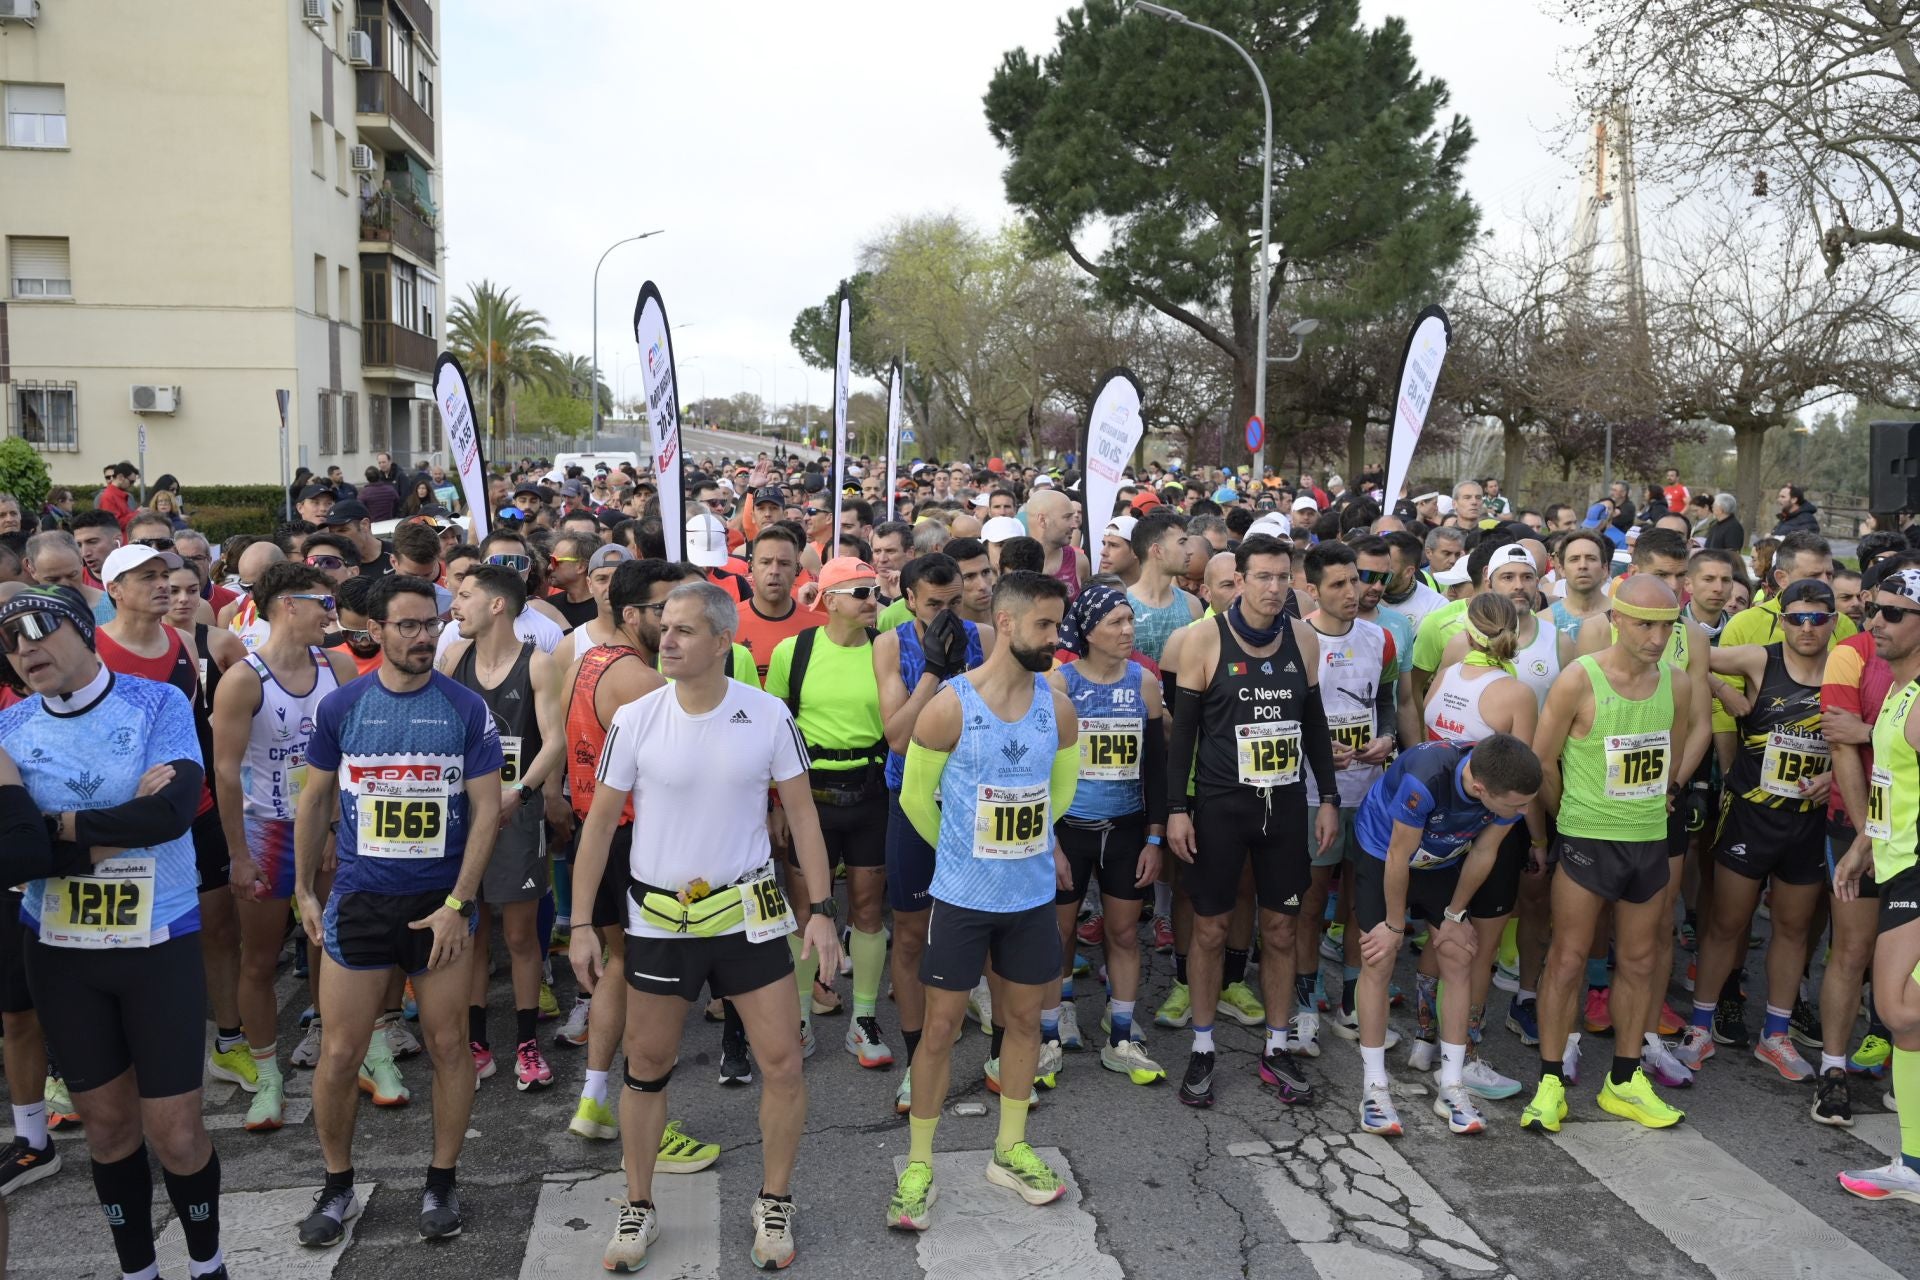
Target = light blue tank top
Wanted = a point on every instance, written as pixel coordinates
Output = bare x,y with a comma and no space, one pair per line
1113,729
1565,622
996,825
913,661
1152,626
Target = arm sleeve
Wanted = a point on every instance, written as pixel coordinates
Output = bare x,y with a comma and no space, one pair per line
1064,780
145,820
27,850
1840,689
1186,732
1153,774
920,786
1319,746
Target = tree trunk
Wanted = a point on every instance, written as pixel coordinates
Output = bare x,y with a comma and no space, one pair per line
1236,432
1356,450
1749,452
1513,461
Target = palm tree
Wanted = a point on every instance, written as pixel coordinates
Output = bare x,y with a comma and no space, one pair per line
579,372
491,331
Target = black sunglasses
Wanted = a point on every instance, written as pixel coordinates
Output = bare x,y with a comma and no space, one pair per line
1807,619
1895,614
1373,577
158,544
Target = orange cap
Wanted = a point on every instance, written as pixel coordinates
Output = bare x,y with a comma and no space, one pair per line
844,569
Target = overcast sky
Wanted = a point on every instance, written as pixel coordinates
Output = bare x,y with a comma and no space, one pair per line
769,140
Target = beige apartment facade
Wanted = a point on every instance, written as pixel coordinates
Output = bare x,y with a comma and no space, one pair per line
204,204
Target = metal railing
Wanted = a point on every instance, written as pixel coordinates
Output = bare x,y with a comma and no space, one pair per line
378,93
384,345
383,216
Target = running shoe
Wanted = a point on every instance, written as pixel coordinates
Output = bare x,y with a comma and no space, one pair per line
1696,1046
637,1227
1021,1170
1070,1028
549,1008
1691,976
268,1109
1346,1025
1422,1055
1092,931
1134,1033
1454,1104
1080,966
1870,1059
60,1109
1890,1182
980,1006
1548,1108
22,1164
573,1032
736,1068
1331,947
1833,1103
562,940
1046,1071
903,1096
1804,1024
1777,1051
910,1207
1671,1023
826,1001
990,1071
1279,1070
773,1246
530,1069
400,1037
1730,1023
681,1154
380,1080
1162,936
1636,1100
1599,1011
333,1209
1482,1080
596,1120
1303,1032
307,1052
1196,1090
1177,1009
1128,1059
716,1010
235,1066
1523,1019
864,1043
1506,979
483,1064
410,1006
808,1044
1689,940
1663,1065
439,1214
1377,1112
1240,1002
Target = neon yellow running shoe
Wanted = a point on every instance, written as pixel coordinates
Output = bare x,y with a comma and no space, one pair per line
1871,1058
549,1008
595,1120
1636,1100
235,1066
1177,1009
911,1206
1239,1002
1549,1105
681,1154
1022,1170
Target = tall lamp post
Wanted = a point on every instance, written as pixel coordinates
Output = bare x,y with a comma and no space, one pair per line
593,388
1266,213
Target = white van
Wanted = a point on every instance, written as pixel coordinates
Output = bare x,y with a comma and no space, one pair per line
587,461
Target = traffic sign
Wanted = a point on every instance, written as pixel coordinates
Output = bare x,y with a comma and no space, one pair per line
143,437
907,436
1256,434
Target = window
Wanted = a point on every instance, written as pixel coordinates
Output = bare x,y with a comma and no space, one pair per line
429,304
36,115
319,285
379,411
326,423
38,267
421,409
47,417
400,53
349,422
319,128
423,90
345,310
405,295
340,169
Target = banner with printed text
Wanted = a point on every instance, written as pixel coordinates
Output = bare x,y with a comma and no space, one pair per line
842,445
1112,432
1419,372
663,415
462,433
893,435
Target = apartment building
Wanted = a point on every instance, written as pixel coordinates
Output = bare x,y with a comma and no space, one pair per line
204,204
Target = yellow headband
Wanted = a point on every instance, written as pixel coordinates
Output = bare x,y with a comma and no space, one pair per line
1646,613
1478,636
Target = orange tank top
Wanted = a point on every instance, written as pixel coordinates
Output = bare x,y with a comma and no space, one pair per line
586,736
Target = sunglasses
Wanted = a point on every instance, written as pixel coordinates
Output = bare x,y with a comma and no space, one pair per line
563,559
1373,577
1807,619
1895,614
858,593
325,602
718,504
410,628
326,562
28,626
509,560
158,544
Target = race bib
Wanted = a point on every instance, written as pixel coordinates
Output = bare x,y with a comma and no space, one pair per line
1110,748
767,912
1354,730
1011,822
1424,858
403,826
1636,765
1269,753
1790,759
296,776
108,910
509,761
1879,795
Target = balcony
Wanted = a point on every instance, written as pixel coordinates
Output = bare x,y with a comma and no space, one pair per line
388,115
385,346
386,219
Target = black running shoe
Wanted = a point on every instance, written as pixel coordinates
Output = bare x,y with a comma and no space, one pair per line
1197,1089
1834,1103
1278,1069
736,1068
333,1209
439,1214
1730,1023
1804,1025
22,1164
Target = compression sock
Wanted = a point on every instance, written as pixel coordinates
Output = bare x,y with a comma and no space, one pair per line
595,1086
125,1190
869,952
1180,967
920,1139
196,1202
1597,972
266,1061
30,1123
1374,1063
1776,1023
1013,1122
225,1038
477,1024
523,1024
998,1034
1162,899
1453,1063
439,1179
804,972
1120,1015
1066,987
1303,990
1623,1069
1233,967
1203,1038
912,1039
1050,1023
1349,986
1703,1015
1476,1022
1906,1091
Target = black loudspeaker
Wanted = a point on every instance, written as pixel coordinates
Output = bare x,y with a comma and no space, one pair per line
1893,477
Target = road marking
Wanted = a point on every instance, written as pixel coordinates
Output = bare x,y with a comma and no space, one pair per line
574,1220
1881,1131
983,1230
258,1234
1713,1208
1357,1209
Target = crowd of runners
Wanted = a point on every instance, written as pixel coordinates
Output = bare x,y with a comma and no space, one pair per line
968,755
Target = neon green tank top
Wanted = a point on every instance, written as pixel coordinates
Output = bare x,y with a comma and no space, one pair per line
1614,780
1893,798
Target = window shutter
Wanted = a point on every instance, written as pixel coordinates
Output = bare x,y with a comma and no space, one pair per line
39,258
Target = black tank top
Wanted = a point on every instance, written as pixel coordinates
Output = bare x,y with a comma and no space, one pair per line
511,702
1250,716
578,613
1780,744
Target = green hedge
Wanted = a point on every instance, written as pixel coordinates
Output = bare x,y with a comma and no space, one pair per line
220,510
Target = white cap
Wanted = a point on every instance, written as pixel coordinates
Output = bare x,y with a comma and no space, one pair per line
1431,495
1000,528
980,499
1305,503
123,559
1043,480
1455,576
1123,526
1446,505
706,540
1273,526
1512,553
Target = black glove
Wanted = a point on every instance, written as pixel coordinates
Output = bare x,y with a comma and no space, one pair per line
945,646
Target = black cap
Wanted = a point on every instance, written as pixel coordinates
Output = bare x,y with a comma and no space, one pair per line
1807,589
533,489
344,513
315,491
772,493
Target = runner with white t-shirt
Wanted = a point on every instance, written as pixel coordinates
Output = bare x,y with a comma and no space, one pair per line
705,908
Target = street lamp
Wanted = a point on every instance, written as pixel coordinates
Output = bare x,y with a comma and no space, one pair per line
806,403
593,388
1266,214
1298,331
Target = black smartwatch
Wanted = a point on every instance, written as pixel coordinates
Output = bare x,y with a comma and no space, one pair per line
828,907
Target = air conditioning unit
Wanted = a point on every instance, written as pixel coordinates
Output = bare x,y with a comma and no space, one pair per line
19,10
147,398
313,12
362,159
359,48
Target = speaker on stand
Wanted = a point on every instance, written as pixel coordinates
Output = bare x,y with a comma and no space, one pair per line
1893,474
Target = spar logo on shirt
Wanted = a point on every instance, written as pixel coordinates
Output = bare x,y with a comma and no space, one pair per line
373,779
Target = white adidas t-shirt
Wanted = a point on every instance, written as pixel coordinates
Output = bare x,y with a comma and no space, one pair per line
699,785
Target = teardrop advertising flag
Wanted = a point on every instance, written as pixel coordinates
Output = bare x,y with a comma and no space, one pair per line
1419,372
1112,432
663,415
451,393
842,371
893,434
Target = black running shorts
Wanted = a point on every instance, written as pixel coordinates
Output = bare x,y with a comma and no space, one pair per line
1112,848
1631,871
729,964
1233,827
1024,945
105,1011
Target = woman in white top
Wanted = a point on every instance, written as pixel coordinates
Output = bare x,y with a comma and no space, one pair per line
1481,695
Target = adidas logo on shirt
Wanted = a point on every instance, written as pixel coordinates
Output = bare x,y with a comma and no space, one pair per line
740,717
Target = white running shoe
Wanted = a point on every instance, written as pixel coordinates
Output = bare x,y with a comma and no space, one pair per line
1570,1060
637,1228
400,1037
1377,1112
980,1006
1422,1054
1303,1032
1070,1028
1482,1080
1454,1104
1347,1027
574,1030
307,1052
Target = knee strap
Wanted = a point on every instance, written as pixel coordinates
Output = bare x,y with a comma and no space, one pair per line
646,1086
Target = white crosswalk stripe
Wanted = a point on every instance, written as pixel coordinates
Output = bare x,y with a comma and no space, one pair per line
982,1230
574,1220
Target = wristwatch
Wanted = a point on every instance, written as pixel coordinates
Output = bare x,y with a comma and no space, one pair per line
1455,917
463,909
828,907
